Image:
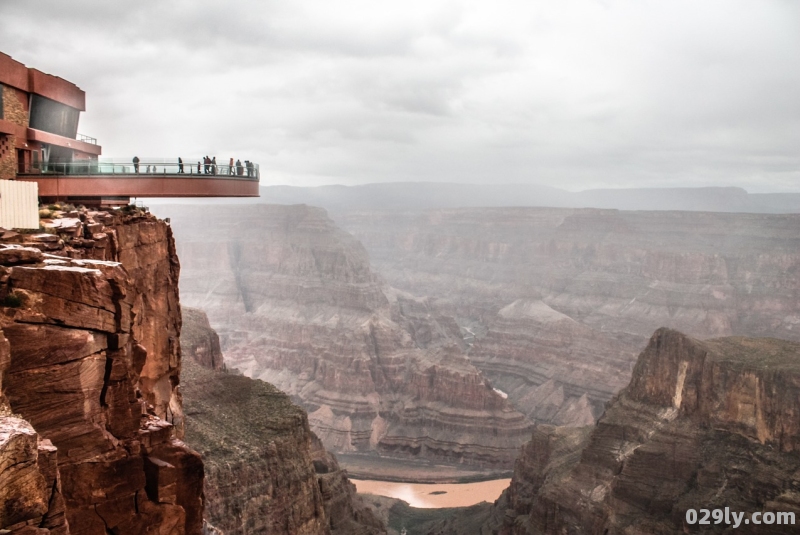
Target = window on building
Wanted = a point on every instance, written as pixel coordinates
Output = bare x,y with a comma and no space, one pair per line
1,101
54,117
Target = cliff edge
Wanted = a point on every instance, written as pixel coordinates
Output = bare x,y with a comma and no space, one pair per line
91,418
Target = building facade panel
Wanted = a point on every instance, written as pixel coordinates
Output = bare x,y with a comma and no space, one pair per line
19,204
13,73
56,89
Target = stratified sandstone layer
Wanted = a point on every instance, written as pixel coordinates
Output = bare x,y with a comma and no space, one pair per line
702,424
266,473
559,301
706,274
90,372
553,368
296,304
246,447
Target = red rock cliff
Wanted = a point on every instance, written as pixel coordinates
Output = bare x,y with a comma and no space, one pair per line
91,372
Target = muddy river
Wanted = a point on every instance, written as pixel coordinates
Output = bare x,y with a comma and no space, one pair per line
433,496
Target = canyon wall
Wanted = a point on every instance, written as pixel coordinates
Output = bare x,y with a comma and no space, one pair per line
556,303
296,304
707,274
89,368
266,472
550,305
702,425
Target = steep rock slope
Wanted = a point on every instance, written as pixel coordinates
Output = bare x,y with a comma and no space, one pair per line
90,371
248,492
702,424
560,300
296,304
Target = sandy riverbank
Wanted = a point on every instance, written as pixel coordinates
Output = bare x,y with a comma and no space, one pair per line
437,495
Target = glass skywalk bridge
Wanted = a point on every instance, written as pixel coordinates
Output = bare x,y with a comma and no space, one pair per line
110,182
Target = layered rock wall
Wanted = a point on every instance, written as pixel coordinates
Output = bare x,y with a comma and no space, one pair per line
707,274
553,368
92,318
702,424
296,304
266,472
558,302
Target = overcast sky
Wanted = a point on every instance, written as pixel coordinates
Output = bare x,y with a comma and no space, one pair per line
573,94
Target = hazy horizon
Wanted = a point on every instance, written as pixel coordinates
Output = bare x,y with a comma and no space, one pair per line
577,95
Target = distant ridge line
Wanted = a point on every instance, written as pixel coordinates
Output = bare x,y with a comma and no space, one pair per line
435,195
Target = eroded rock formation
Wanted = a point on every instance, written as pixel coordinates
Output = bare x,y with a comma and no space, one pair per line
266,472
296,304
702,424
199,341
90,372
560,300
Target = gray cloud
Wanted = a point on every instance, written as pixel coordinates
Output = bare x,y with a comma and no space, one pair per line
575,94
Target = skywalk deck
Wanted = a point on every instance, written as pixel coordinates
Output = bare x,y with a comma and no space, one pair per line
87,181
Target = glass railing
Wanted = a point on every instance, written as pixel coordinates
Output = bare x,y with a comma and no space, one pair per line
87,139
145,168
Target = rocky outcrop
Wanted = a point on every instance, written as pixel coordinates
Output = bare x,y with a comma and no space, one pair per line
92,318
199,341
344,512
702,424
580,290
266,472
347,512
296,304
30,490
